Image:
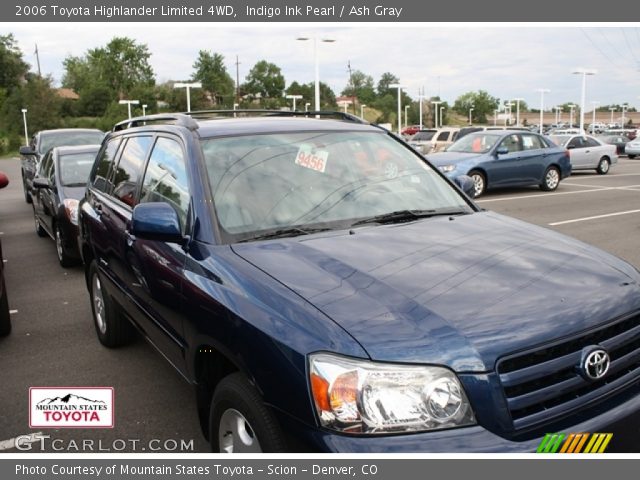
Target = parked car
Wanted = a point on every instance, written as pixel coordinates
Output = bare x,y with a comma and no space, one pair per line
467,130
505,159
630,133
421,141
587,152
5,317
443,138
632,149
58,187
43,141
619,141
324,288
596,128
410,131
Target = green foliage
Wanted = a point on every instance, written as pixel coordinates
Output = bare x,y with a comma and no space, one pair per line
12,66
483,105
308,92
94,100
210,70
361,86
265,80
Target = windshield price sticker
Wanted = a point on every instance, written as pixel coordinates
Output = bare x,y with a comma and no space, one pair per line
308,157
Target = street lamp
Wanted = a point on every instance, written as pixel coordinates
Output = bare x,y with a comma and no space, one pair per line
399,87
294,98
144,109
306,106
24,119
507,108
571,107
128,103
495,117
441,110
317,65
518,100
625,107
406,107
362,111
470,118
584,72
188,86
542,92
613,109
421,97
558,114
593,120
435,117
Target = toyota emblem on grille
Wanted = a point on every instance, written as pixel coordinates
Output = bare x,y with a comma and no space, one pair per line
595,363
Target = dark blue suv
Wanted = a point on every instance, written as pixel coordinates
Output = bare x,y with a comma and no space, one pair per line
324,288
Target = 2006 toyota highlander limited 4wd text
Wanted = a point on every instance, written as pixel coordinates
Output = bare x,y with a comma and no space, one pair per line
325,288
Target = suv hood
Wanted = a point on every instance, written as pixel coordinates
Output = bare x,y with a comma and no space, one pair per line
459,292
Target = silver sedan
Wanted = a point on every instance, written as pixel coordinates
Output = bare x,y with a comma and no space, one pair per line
587,152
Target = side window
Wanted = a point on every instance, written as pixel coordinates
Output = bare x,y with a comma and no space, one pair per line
45,165
576,142
512,143
531,142
105,160
591,142
129,169
166,178
443,137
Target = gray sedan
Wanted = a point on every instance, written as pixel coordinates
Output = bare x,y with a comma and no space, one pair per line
587,152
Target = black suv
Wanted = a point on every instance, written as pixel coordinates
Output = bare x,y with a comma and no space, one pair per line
325,288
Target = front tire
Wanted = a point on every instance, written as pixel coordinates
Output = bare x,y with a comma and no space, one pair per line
112,329
551,179
27,195
39,230
479,183
5,316
603,166
65,260
631,156
239,421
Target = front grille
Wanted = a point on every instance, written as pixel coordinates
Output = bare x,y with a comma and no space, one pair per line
543,384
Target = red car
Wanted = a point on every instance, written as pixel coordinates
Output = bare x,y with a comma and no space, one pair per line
412,130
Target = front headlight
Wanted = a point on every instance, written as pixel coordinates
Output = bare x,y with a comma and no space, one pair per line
447,168
71,209
359,396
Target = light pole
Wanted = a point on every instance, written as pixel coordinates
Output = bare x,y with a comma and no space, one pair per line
625,107
306,106
584,72
406,121
294,98
317,65
128,103
571,107
518,100
470,117
435,116
399,87
24,119
441,115
235,107
421,97
495,117
558,114
362,111
593,120
613,109
507,107
542,92
188,86
144,109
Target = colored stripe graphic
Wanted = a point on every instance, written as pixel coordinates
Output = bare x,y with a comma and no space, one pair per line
574,443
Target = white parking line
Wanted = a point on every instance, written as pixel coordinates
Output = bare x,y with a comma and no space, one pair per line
584,219
24,439
545,195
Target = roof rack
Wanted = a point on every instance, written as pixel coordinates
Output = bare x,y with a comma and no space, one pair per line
187,119
275,113
180,119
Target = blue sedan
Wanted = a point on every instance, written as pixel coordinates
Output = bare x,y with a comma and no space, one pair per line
505,159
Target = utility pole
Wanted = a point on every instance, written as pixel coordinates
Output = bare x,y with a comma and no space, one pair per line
38,60
353,96
237,80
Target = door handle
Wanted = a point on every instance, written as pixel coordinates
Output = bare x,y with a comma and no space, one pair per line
98,207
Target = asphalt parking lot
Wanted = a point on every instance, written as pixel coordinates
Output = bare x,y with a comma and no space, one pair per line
53,342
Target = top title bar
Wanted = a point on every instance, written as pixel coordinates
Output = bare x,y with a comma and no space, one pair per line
306,11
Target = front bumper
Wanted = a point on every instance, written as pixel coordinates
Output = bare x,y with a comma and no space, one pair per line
623,421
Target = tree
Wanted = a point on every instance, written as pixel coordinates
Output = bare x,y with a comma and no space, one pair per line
360,86
386,79
308,92
265,80
482,103
94,100
210,70
12,67
121,65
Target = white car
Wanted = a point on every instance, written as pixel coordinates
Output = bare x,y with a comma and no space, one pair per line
587,152
632,148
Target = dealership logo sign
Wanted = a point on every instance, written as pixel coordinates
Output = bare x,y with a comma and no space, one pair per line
71,407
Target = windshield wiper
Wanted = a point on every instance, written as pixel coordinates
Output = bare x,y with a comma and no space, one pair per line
286,232
400,216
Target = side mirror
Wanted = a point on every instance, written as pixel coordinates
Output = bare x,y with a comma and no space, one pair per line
40,182
465,183
502,150
156,221
4,180
27,150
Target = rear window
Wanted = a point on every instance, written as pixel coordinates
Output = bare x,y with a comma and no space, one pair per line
75,168
60,139
423,136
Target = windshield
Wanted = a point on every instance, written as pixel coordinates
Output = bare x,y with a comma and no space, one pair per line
270,182
480,142
60,139
423,136
75,168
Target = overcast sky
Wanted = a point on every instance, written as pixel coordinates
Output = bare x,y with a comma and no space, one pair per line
507,61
